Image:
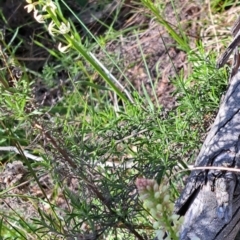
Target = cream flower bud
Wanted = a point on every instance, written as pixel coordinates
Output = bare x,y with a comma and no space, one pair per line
149,204
159,207
157,195
156,225
149,187
153,212
166,198
155,187
175,217
170,205
164,188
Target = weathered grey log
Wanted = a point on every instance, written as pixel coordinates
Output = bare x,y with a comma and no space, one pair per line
210,201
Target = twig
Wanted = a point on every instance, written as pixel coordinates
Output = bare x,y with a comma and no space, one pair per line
26,153
229,169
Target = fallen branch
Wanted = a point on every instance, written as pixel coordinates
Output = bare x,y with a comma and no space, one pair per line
211,198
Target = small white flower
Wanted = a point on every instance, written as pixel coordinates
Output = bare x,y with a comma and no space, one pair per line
38,17
64,28
63,49
30,6
49,4
51,28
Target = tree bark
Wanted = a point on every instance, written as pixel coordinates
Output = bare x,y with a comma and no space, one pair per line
210,201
